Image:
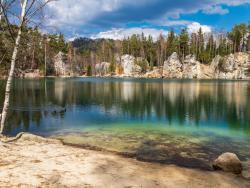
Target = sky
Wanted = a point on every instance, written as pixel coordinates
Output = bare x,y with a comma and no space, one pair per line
117,19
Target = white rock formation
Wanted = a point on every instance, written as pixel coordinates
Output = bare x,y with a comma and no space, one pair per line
102,69
129,66
33,74
61,66
155,73
233,66
173,67
191,67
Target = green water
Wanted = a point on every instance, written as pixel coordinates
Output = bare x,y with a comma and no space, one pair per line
184,122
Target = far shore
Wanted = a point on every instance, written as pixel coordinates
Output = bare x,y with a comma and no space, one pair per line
120,77
33,161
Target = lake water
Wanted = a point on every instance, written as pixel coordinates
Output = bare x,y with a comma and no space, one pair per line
184,122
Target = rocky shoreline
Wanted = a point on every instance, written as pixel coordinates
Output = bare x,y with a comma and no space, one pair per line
234,66
231,67
33,161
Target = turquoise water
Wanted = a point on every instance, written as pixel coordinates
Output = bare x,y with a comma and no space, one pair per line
169,121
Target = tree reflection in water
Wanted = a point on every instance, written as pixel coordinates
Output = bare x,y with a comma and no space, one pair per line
222,103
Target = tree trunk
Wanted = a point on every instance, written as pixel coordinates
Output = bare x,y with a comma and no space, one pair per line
1,10
11,73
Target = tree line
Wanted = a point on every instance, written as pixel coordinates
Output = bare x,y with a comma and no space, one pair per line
84,53
205,46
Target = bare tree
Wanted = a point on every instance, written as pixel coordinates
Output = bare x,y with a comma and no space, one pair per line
29,9
1,10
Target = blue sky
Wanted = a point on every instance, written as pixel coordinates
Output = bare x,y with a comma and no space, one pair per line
121,18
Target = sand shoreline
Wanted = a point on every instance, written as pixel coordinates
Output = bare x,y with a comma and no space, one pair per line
33,161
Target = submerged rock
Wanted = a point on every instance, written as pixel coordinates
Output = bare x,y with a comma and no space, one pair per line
228,162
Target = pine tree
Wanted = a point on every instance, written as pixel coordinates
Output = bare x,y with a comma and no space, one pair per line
184,43
238,37
193,44
223,47
172,43
200,46
150,51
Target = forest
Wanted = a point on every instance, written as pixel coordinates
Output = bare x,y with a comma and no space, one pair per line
37,47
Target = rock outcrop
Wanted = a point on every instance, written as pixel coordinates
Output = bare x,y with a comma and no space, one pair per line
172,67
233,66
33,74
191,67
228,162
129,66
102,69
29,73
61,66
155,73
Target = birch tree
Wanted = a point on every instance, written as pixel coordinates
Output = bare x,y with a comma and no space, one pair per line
1,10
29,9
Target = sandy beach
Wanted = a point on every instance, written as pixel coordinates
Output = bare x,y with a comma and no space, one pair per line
33,161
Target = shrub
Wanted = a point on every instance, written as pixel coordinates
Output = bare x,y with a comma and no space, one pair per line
143,64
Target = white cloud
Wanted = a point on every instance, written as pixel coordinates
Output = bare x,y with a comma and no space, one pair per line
75,12
216,10
195,26
175,22
122,33
89,15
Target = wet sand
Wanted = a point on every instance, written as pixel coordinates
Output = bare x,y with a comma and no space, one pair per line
32,161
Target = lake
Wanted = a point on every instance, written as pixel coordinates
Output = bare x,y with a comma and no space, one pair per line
183,122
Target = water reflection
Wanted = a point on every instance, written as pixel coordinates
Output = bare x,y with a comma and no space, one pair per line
215,103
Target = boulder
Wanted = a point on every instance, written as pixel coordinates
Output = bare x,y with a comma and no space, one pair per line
228,162
61,65
191,67
102,69
129,66
173,67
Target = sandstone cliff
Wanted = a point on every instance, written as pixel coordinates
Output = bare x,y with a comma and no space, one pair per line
233,66
102,69
61,66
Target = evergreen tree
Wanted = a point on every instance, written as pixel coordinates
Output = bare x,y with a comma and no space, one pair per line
211,48
193,44
184,43
238,37
201,56
150,51
171,43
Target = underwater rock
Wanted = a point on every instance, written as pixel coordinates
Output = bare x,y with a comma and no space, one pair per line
228,162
